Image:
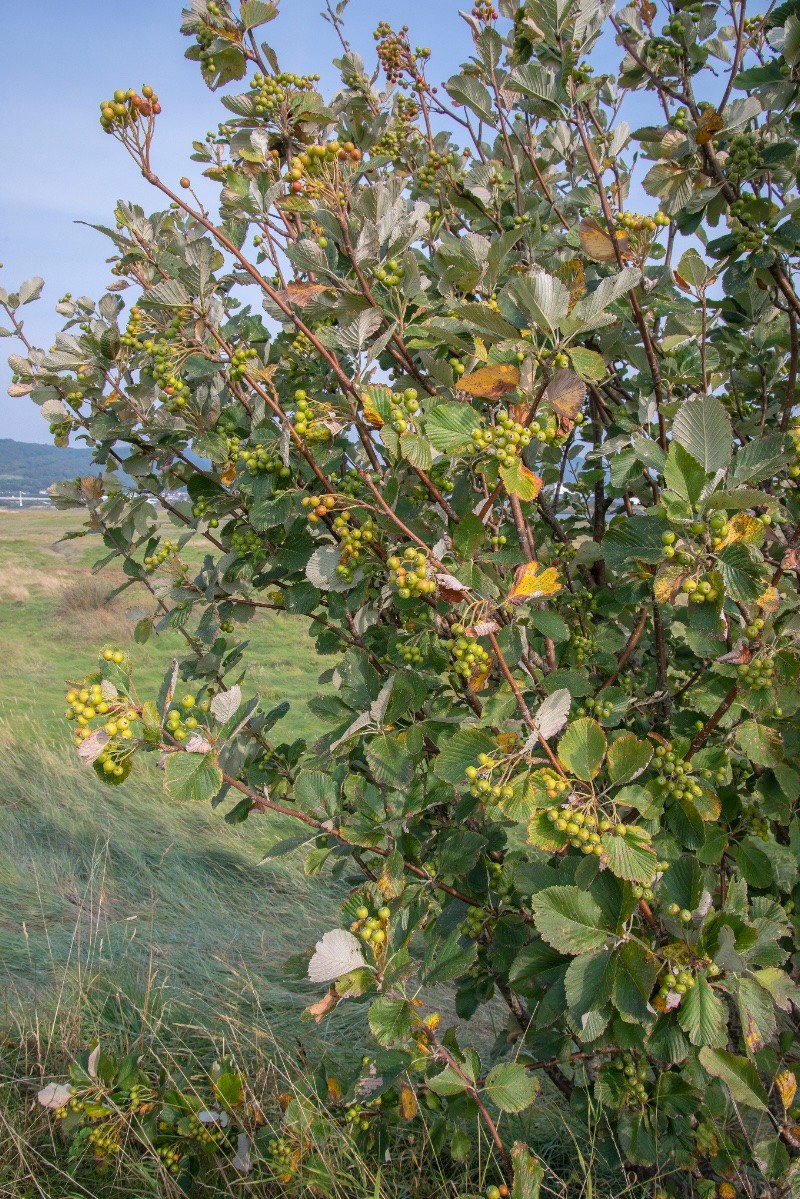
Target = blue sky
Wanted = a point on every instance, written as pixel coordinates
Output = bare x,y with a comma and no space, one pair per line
60,168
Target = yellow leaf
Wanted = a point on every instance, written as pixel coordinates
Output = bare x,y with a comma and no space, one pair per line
334,1089
520,481
372,416
743,527
228,474
752,1036
534,581
709,124
491,382
573,276
786,1083
770,601
408,1102
480,351
668,582
477,682
597,243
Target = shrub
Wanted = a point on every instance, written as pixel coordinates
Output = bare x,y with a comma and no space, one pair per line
526,463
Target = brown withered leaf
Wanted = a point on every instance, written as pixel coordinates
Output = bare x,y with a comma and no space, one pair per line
477,682
92,487
491,382
598,244
301,294
534,581
565,393
228,475
483,629
790,560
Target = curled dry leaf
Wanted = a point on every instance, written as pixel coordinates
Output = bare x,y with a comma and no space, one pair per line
301,294
227,703
483,628
491,382
319,1010
740,653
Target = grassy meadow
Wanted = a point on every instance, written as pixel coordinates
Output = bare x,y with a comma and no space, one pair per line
123,914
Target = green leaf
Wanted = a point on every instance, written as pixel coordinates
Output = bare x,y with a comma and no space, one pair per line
447,1084
511,1087
632,541
756,1013
588,363
634,978
469,91
742,577
189,776
549,624
569,920
449,426
257,12
589,980
462,751
762,458
739,1075
762,745
692,269
390,1021
703,1016
447,960
528,1173
629,854
627,758
704,429
542,298
683,474
582,747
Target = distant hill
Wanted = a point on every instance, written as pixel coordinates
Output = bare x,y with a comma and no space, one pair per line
30,468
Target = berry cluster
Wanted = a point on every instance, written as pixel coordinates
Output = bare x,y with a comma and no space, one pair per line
436,165
480,778
757,824
391,275
503,442
270,91
469,656
181,719
584,829
484,10
458,366
257,460
410,654
744,157
284,1155
758,674
794,434
411,573
601,708
127,106
319,506
132,336
582,646
163,367
357,1115
372,929
675,774
636,222
171,1156
307,419
405,409
473,924
353,541
634,1075
496,1192
165,550
394,51
239,361
498,540
245,541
